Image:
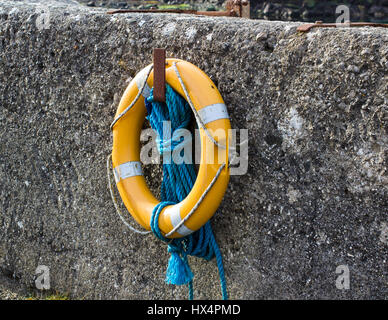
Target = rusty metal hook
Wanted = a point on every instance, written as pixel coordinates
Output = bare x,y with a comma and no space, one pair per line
159,75
320,24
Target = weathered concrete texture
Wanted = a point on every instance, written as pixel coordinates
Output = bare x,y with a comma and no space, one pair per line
314,197
12,290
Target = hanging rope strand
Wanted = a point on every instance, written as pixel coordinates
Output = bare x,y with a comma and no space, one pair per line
178,180
114,200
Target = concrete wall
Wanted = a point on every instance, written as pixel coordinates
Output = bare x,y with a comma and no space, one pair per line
314,196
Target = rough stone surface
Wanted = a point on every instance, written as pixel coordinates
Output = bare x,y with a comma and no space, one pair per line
314,196
12,290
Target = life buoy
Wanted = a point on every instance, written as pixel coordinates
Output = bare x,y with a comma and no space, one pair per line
207,192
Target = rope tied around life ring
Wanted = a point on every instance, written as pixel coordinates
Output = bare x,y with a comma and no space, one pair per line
178,179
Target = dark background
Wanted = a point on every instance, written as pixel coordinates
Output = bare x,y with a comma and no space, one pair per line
287,10
310,10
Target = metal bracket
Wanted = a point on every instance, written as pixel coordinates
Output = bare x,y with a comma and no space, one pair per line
240,7
234,8
320,24
160,75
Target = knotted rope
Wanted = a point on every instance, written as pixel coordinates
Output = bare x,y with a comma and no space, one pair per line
178,180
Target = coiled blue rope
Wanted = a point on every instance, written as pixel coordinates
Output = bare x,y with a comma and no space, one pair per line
178,180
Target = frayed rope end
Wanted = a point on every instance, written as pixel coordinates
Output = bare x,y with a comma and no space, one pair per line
178,270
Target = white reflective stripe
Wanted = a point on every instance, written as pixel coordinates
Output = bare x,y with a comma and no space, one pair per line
175,216
146,91
116,174
127,170
139,79
213,112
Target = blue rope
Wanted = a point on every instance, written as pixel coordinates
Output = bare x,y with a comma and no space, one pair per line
178,180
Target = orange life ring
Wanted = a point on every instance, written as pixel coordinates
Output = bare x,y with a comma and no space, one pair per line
127,167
